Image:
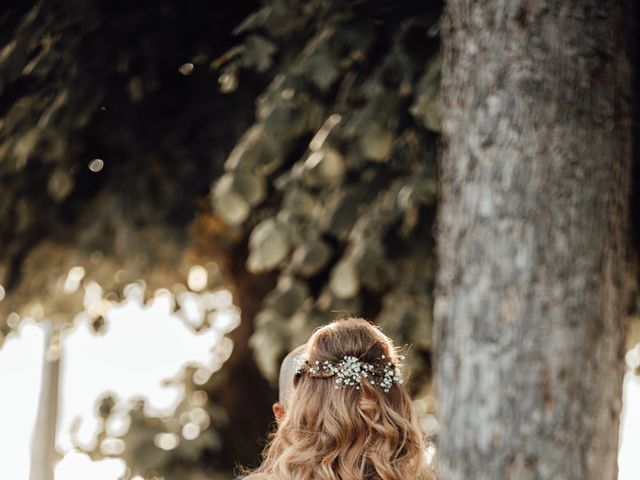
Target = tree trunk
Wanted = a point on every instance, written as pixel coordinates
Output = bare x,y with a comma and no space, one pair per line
532,239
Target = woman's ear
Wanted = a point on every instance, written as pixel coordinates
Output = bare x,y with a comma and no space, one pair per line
278,411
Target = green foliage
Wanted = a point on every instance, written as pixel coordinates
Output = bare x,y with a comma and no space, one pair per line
336,179
330,184
102,80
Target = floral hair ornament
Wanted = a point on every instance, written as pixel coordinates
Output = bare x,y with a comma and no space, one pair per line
351,370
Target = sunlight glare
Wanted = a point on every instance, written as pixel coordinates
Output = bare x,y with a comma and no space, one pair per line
76,466
198,278
142,347
20,374
628,459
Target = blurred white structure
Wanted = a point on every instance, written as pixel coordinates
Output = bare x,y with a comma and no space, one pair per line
44,434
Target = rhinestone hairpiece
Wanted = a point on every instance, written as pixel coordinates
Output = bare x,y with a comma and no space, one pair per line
351,370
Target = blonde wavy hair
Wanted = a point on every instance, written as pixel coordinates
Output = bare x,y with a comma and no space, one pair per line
346,433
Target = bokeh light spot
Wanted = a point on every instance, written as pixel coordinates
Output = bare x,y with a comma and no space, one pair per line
186,68
96,165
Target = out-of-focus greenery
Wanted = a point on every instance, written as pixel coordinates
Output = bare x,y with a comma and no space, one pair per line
335,181
289,149
89,82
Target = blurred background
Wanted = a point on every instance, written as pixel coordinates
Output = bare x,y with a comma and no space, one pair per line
187,190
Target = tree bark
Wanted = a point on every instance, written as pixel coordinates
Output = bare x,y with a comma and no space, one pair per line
532,239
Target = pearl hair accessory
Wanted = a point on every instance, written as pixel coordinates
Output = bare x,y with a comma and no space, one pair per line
351,370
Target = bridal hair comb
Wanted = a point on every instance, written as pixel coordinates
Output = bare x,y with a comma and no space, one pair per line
351,370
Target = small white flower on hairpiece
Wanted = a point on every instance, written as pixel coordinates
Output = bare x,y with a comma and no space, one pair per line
351,370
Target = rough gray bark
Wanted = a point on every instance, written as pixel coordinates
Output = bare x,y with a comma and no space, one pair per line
532,235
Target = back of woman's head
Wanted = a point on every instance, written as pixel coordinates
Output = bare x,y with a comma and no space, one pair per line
341,427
